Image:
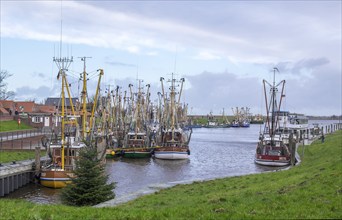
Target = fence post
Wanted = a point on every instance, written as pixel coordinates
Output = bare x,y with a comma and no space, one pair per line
292,145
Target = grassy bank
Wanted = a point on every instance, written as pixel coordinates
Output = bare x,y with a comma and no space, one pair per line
309,191
17,155
12,126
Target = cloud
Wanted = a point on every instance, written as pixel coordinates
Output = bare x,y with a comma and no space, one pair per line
215,91
302,39
302,65
113,63
152,53
257,32
39,75
320,94
204,55
37,94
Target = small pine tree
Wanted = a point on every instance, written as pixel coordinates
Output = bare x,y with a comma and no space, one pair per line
90,185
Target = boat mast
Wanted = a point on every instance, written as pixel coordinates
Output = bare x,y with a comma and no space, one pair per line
173,107
63,65
180,93
95,99
84,98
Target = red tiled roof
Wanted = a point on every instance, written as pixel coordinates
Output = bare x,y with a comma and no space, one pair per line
3,111
9,104
46,108
27,107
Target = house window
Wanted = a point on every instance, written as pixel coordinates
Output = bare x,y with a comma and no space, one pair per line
37,119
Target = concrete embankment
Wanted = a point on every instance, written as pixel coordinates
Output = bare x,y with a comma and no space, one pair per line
17,174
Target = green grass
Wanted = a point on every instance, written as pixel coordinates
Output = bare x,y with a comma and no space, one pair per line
12,126
220,120
311,190
17,155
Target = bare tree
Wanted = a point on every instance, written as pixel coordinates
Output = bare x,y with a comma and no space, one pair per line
4,93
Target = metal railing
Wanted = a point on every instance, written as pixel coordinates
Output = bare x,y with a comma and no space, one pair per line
22,139
12,135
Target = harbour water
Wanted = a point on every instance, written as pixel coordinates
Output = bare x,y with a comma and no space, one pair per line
215,153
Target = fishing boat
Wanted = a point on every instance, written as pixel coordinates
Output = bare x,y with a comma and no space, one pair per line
136,143
245,123
174,145
136,146
58,174
211,122
235,124
271,149
218,123
64,148
173,140
237,117
244,118
257,119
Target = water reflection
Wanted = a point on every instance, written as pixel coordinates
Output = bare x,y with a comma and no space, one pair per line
37,193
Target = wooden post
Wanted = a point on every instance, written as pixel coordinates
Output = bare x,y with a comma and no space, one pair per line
37,161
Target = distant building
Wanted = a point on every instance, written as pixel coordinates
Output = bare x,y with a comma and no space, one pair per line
56,102
37,116
3,111
6,110
8,105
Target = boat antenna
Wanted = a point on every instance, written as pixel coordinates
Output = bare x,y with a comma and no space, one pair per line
175,65
61,32
274,70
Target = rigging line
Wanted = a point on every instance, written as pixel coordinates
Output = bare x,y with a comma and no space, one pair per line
92,73
71,74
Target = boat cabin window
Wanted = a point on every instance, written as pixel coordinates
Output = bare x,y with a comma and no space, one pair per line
57,152
70,152
274,152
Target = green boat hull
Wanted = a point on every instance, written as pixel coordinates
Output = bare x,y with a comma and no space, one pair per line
137,154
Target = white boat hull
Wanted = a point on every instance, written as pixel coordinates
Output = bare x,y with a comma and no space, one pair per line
272,163
171,155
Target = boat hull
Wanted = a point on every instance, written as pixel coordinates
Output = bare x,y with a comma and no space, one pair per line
272,161
172,153
137,154
55,178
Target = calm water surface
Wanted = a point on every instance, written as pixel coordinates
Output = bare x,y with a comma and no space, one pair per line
215,153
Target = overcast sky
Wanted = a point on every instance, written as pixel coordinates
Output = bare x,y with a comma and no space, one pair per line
223,49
